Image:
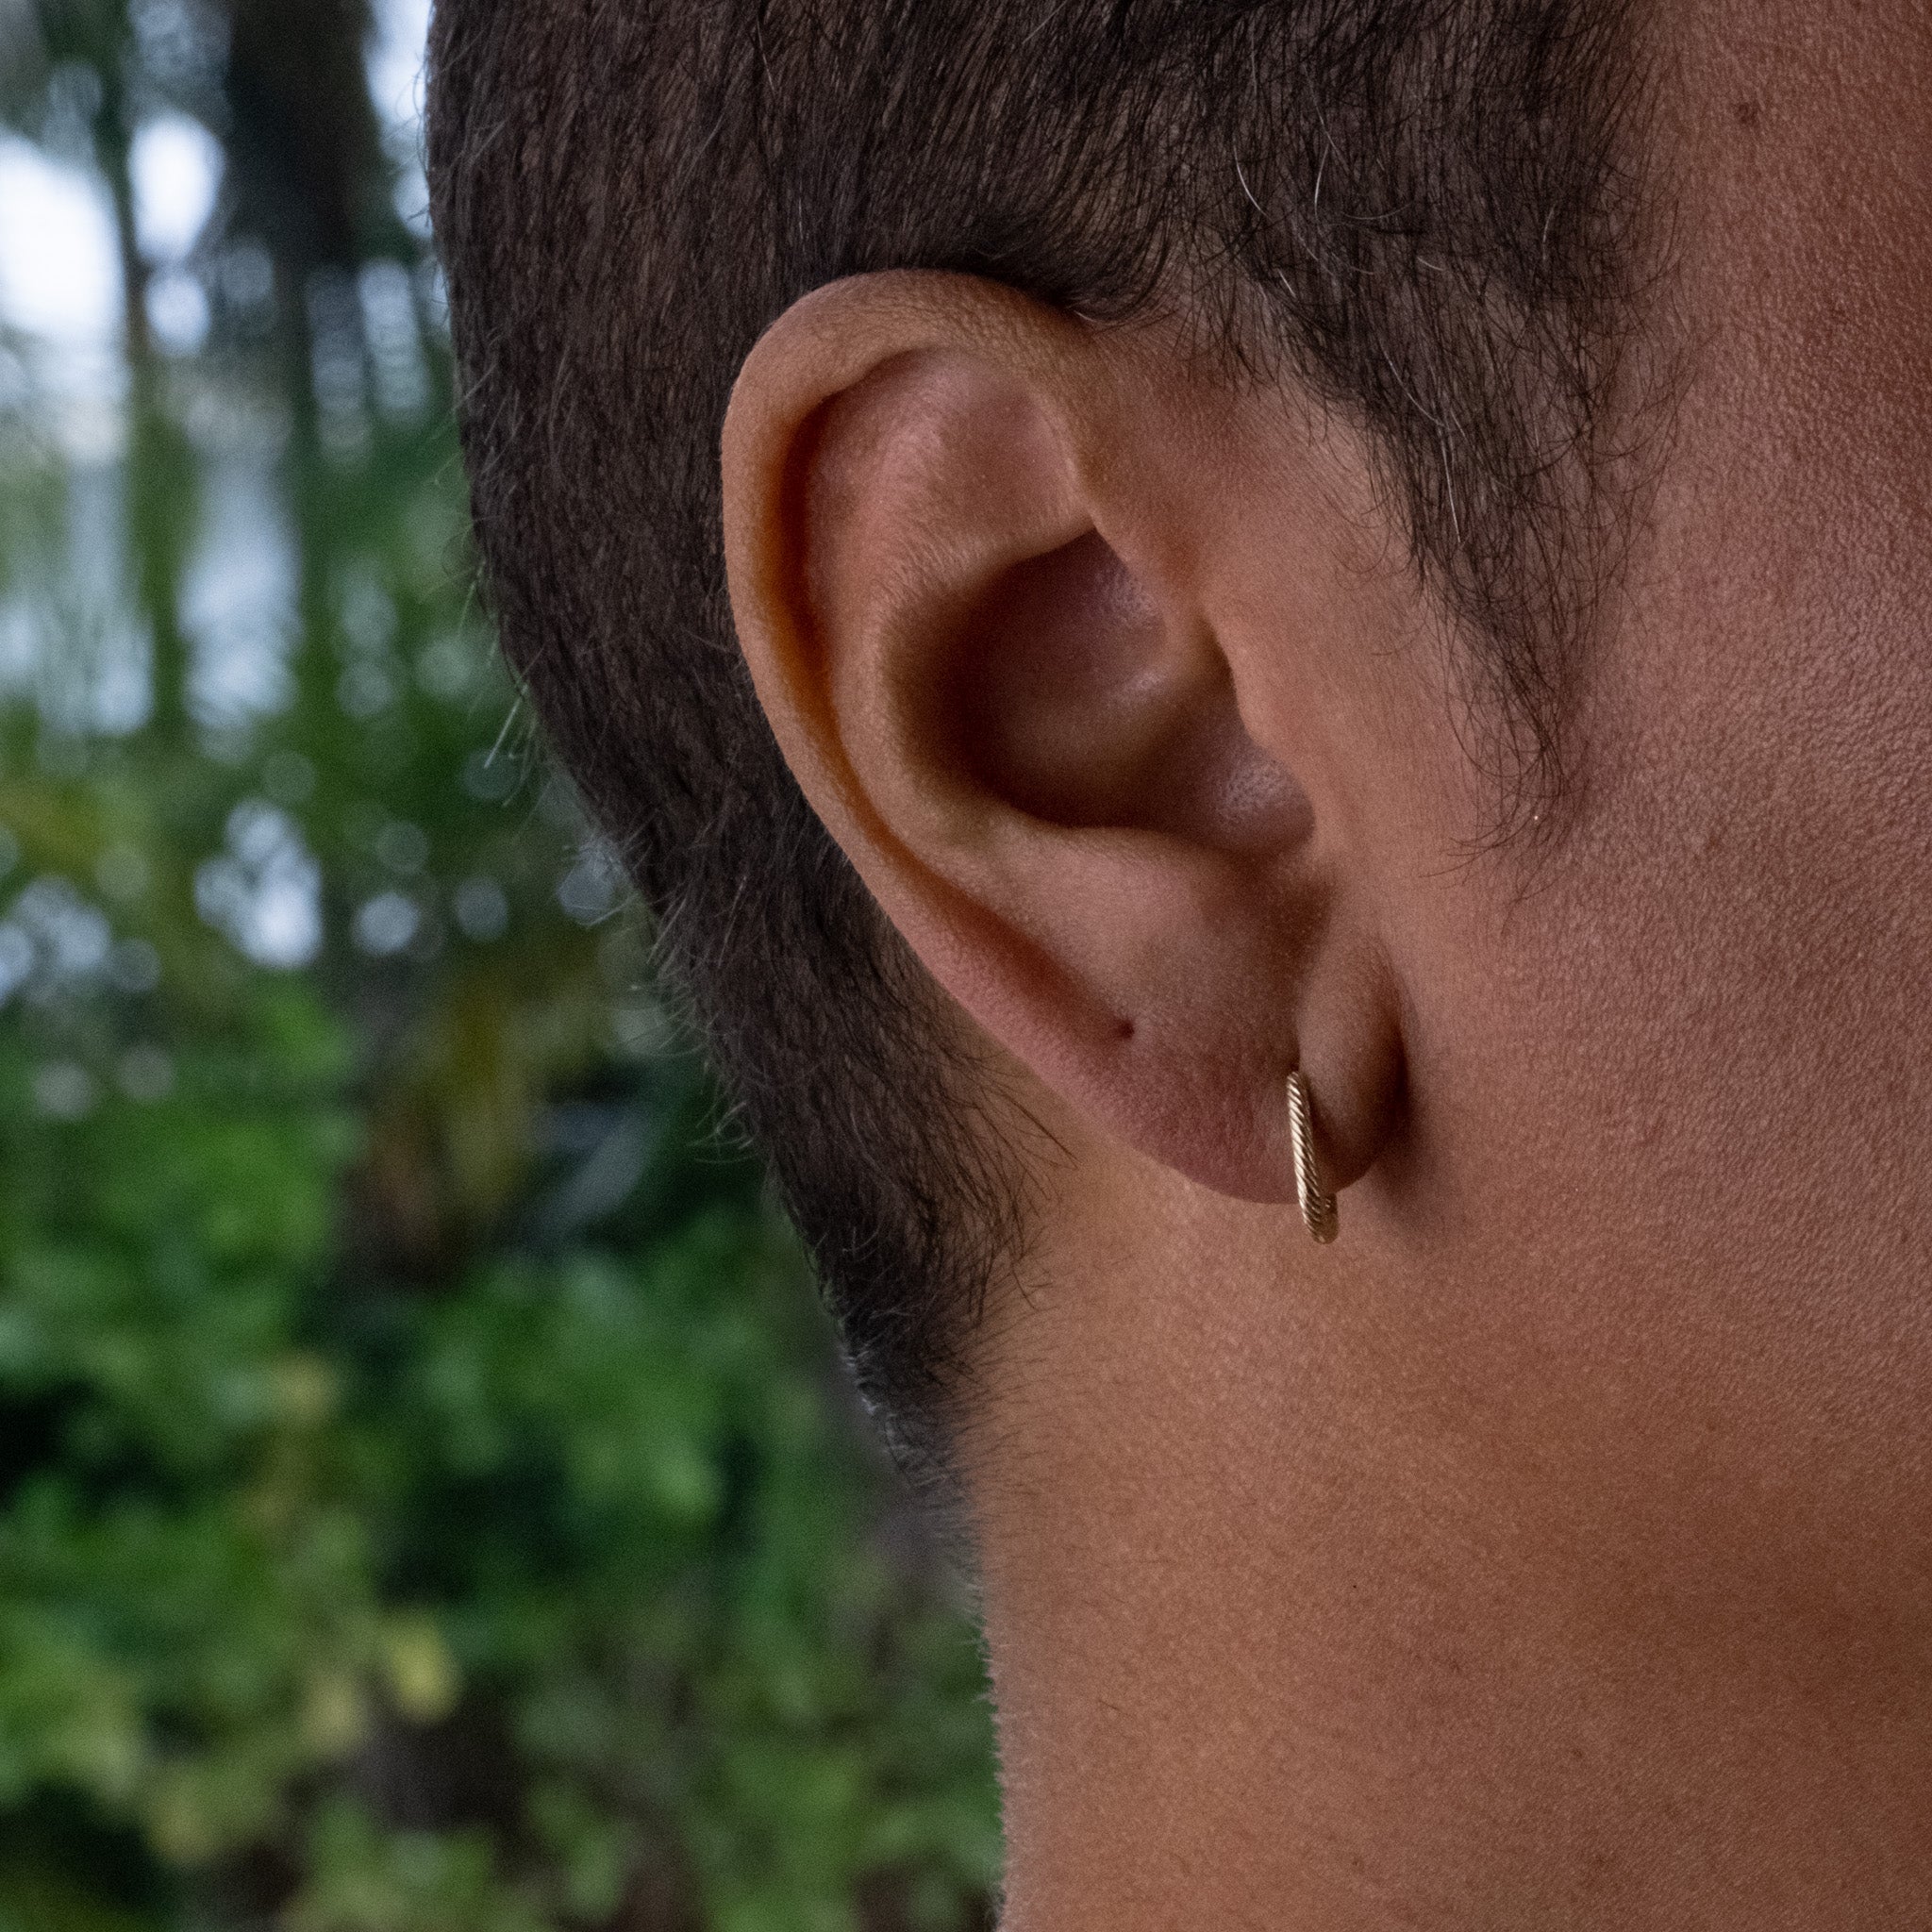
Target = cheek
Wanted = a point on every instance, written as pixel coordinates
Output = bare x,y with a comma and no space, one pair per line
1679,1068
1675,1228
1738,942
1765,707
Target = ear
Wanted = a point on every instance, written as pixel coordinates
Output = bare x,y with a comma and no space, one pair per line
1056,635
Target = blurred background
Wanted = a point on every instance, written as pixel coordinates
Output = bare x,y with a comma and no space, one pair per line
429,1500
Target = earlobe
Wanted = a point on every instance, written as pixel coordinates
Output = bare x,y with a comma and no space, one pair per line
978,577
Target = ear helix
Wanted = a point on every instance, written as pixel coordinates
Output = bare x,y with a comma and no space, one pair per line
1319,1213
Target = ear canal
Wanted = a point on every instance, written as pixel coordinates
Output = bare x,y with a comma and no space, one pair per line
1067,693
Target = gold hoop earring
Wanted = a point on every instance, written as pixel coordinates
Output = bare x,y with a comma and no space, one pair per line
1318,1204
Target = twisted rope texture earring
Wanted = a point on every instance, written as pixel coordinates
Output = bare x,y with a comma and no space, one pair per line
1318,1214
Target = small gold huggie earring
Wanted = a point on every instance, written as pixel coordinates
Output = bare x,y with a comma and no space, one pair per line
1318,1204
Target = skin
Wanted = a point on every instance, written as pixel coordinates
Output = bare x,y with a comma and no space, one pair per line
1554,1549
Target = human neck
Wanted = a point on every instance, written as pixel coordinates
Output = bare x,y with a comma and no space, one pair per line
1298,1621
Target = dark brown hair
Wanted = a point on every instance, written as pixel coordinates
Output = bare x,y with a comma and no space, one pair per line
1422,209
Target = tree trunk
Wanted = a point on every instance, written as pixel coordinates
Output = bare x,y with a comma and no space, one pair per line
159,466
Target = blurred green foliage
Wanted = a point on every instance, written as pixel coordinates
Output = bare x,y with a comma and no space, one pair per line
430,1501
